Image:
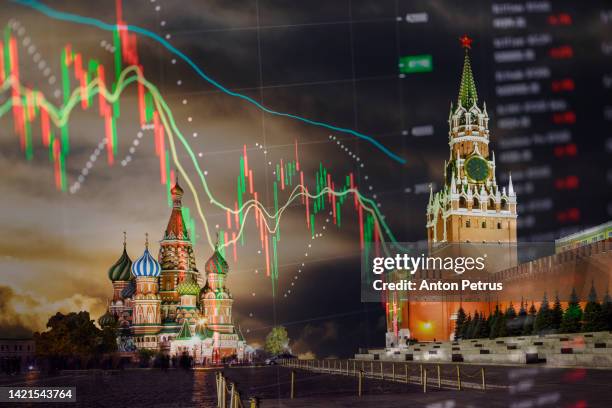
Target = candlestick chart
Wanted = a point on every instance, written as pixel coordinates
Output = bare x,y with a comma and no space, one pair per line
87,84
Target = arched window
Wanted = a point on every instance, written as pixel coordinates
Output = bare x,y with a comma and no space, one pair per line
476,203
499,225
484,224
462,202
467,224
504,204
491,204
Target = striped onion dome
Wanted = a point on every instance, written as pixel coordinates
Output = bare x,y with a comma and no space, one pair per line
188,287
146,265
107,319
216,264
120,271
129,290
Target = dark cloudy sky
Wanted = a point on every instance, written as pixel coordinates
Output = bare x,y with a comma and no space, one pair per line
334,62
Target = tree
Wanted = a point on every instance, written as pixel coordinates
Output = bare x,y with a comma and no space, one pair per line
556,314
512,322
542,321
474,326
484,326
520,318
593,318
73,334
466,327
494,323
502,324
277,340
531,315
572,315
459,323
606,311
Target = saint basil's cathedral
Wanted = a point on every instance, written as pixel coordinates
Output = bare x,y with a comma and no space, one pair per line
161,304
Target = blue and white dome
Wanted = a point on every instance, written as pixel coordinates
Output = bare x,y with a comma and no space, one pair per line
146,265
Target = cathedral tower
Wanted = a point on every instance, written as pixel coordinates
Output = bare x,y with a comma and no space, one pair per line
146,313
215,297
120,276
175,256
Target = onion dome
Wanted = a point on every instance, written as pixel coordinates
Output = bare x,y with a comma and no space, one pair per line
176,190
177,227
120,271
107,320
216,263
146,265
188,288
129,290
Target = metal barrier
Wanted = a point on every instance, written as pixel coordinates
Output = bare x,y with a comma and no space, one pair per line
227,391
235,401
452,379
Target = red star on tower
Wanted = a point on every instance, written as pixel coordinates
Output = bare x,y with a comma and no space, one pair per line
466,42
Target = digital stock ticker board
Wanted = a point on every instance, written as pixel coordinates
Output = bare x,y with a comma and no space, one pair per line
211,183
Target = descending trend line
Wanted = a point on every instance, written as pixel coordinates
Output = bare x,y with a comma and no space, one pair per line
28,104
59,15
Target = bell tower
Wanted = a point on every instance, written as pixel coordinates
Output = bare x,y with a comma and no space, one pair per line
470,207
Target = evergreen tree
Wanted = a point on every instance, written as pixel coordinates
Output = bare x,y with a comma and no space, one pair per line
556,314
606,311
484,326
520,319
512,323
593,319
459,323
572,316
466,326
543,319
474,329
502,323
529,319
495,323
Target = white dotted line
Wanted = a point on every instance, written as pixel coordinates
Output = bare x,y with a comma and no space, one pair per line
74,188
107,46
37,58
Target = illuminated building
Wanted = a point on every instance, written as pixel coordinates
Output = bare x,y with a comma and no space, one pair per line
470,207
161,305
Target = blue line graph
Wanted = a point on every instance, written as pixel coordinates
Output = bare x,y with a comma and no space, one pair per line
63,16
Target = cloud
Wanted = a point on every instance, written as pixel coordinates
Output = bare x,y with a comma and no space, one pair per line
313,338
23,313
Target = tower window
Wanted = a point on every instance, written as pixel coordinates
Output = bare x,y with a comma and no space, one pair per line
462,202
504,205
491,204
476,203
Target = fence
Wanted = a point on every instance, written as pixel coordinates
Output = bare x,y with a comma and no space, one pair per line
225,388
437,375
441,376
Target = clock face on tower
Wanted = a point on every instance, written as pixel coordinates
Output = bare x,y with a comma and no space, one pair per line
477,169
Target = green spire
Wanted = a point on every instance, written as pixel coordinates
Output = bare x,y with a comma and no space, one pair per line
467,90
185,333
